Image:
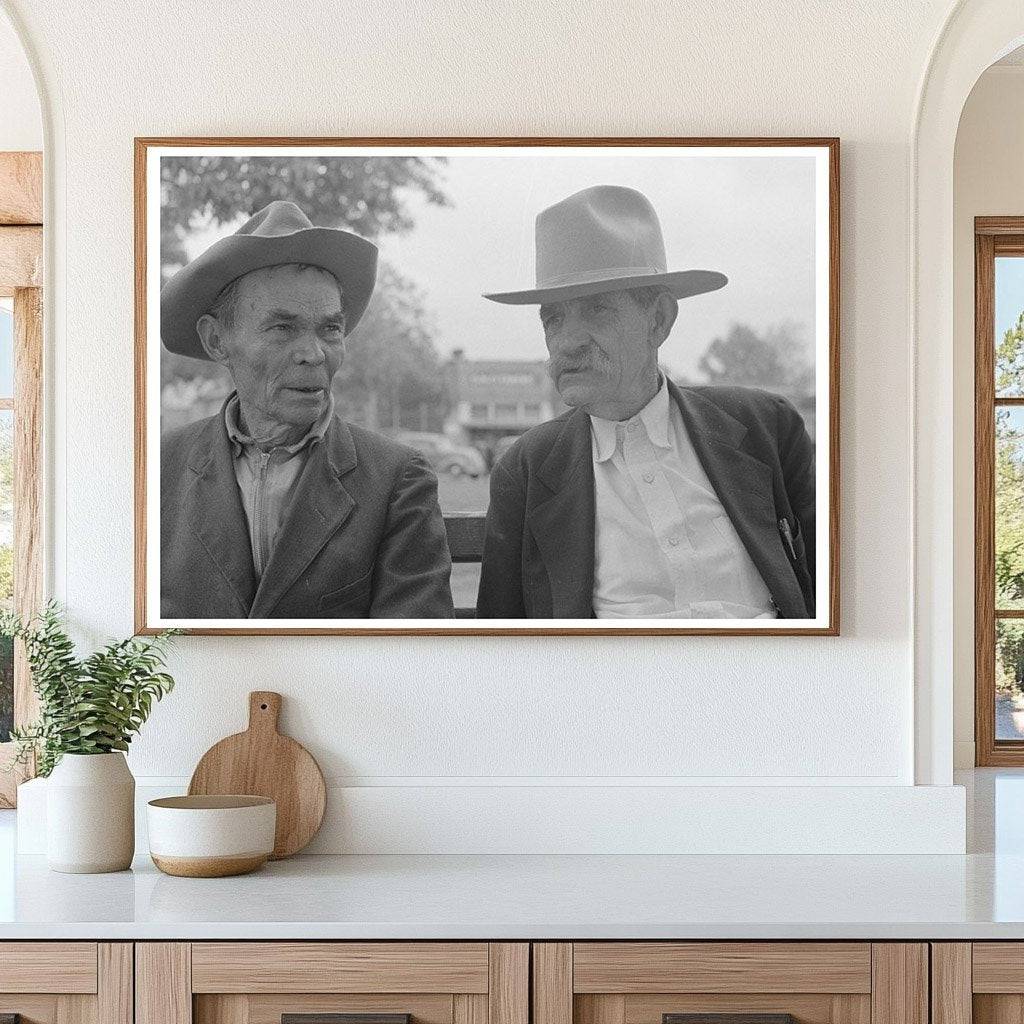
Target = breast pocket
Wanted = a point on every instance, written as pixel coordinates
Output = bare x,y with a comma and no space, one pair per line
353,599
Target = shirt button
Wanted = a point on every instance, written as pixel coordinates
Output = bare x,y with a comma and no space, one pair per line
674,541
648,478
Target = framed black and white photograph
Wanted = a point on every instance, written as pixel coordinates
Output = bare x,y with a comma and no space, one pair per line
498,386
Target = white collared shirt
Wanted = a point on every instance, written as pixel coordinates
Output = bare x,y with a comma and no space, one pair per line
664,545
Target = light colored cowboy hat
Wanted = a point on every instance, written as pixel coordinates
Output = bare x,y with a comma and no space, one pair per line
279,233
604,239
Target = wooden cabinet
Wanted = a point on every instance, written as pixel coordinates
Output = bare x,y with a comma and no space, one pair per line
815,982
66,982
259,982
494,983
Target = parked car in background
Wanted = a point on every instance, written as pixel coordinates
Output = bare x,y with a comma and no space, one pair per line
444,455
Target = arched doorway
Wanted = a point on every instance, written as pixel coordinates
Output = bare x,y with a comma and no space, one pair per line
976,33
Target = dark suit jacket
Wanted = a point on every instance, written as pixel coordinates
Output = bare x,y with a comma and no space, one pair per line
538,559
363,535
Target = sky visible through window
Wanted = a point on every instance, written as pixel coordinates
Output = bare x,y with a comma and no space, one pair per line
1009,292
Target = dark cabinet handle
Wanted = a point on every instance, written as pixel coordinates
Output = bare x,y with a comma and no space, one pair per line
339,1018
728,1018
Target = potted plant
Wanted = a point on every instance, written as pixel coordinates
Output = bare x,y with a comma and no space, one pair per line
89,709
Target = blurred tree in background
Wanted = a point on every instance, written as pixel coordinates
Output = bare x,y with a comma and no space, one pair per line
392,362
776,361
406,375
367,195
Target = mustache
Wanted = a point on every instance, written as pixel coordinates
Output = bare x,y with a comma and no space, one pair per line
585,360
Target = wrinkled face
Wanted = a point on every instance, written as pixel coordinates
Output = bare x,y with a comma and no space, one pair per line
601,348
283,343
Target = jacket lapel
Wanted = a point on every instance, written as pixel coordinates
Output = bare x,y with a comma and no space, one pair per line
214,514
562,519
319,507
744,487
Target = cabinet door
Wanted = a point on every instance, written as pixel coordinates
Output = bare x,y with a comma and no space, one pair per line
314,982
737,982
66,982
981,982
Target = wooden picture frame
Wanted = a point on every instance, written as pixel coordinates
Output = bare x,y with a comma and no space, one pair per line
465,534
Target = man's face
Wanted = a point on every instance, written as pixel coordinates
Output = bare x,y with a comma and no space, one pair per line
283,344
602,348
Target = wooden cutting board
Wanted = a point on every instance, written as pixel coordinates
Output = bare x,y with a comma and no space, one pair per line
262,762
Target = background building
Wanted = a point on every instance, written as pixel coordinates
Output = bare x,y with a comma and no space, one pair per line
495,398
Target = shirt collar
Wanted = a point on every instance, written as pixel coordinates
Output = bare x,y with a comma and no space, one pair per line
653,417
240,440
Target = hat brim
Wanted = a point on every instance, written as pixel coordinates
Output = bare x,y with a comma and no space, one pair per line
683,284
191,291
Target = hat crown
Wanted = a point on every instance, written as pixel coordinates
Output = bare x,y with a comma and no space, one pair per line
280,217
606,231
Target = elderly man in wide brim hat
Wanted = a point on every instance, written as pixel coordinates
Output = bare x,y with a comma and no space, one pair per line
274,507
646,500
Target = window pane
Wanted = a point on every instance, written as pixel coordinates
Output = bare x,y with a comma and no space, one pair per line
1009,326
6,567
6,348
1009,679
1009,574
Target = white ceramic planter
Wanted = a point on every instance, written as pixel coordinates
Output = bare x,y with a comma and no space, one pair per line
90,814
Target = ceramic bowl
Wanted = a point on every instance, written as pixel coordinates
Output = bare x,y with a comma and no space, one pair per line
211,836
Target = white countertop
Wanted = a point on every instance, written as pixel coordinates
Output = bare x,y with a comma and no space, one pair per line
532,897
979,896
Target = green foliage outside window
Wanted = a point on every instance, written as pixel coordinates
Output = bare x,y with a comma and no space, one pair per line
1009,509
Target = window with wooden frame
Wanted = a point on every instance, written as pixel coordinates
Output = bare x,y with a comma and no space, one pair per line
999,490
21,365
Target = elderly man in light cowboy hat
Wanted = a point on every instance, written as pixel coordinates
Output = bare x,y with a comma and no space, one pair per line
645,500
274,507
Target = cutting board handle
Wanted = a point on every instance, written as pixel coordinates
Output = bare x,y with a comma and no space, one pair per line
264,709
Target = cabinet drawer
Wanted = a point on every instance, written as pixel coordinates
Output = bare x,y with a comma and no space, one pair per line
339,967
260,982
48,967
750,982
630,967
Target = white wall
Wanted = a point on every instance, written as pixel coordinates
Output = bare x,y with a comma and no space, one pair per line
988,181
21,125
441,713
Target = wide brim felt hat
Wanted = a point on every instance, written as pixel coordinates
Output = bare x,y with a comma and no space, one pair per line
604,238
280,233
